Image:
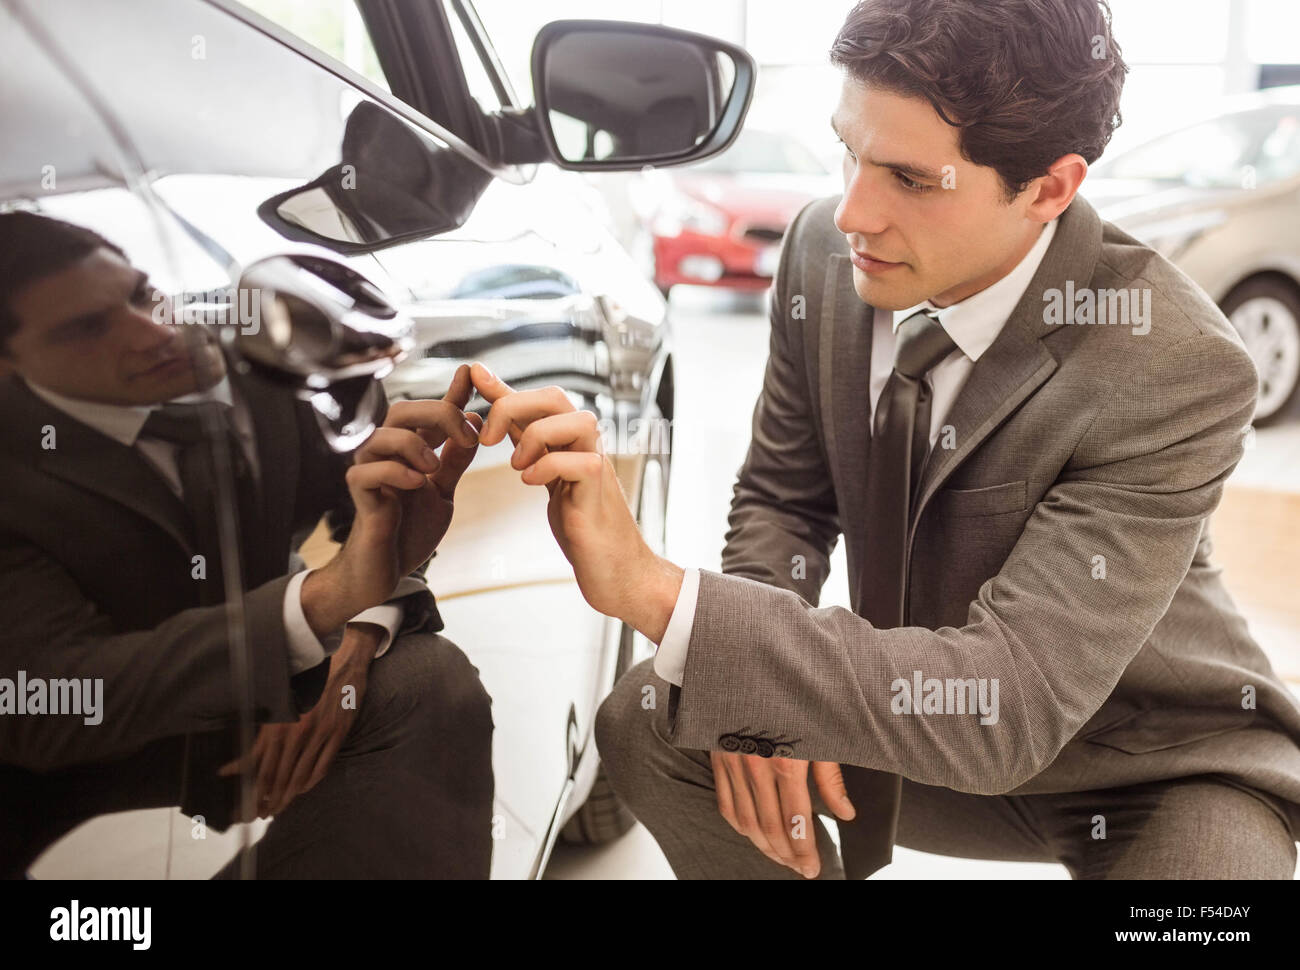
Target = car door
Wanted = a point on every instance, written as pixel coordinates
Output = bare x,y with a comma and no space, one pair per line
534,285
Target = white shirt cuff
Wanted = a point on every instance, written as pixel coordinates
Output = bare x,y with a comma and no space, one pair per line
387,615
306,650
670,658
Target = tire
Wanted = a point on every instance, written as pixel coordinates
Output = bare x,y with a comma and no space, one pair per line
603,817
1266,313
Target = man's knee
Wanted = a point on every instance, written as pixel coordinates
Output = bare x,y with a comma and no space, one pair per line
425,684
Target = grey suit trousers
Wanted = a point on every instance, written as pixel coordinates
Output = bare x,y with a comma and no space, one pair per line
409,794
1200,827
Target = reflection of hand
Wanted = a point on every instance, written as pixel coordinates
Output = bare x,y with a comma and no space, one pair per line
404,497
559,446
290,759
762,799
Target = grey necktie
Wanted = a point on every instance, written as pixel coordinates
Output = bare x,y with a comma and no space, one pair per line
899,441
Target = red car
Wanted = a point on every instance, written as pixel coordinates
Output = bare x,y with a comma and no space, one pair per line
720,223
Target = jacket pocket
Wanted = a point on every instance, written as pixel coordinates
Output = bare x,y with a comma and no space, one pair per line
990,500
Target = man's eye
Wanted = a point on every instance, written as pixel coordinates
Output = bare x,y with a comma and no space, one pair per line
911,185
848,151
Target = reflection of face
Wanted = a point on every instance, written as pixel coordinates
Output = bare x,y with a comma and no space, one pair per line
938,226
88,332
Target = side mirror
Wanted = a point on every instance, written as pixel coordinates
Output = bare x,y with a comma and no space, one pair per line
614,96
326,331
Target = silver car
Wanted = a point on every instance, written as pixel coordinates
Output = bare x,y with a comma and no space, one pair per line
1221,200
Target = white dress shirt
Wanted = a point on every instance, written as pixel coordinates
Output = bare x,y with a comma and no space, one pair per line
973,324
123,423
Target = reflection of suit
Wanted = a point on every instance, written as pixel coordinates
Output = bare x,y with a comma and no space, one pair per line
1076,449
96,582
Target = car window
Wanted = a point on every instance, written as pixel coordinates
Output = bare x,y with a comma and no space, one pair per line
481,75
333,27
1263,144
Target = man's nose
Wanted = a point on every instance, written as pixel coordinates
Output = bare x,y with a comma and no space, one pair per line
146,331
860,211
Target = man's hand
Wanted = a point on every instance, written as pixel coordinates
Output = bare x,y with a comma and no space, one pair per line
767,801
290,759
404,496
558,446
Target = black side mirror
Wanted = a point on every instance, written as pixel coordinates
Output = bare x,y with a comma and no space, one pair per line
614,96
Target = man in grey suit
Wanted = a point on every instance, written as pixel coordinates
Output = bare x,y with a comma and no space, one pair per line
1020,420
374,750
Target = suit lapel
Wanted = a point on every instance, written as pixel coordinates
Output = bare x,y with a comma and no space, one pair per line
1015,365
96,463
1017,362
844,347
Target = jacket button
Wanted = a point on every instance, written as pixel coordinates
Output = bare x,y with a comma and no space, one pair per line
729,742
783,751
765,749
748,745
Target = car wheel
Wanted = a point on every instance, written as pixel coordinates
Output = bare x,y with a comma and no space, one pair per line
1266,313
603,817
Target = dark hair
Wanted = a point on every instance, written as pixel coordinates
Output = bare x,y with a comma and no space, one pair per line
1026,81
32,247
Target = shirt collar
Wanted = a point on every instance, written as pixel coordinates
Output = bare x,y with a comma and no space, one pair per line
123,422
975,322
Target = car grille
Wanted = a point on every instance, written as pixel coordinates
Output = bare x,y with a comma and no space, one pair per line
764,234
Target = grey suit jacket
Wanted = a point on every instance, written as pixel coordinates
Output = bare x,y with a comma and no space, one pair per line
1070,442
96,579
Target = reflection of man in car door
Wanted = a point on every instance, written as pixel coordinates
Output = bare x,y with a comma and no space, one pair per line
111,573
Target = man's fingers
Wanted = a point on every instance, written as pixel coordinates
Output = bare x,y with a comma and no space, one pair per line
767,802
579,467
574,431
435,420
455,459
746,813
722,786
797,814
830,782
268,762
274,795
521,409
488,384
324,760
372,475
460,389
296,783
399,443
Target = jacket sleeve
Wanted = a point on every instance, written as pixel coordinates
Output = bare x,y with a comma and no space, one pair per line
156,683
783,524
1147,472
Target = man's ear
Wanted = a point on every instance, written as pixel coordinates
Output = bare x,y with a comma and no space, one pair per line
1054,192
